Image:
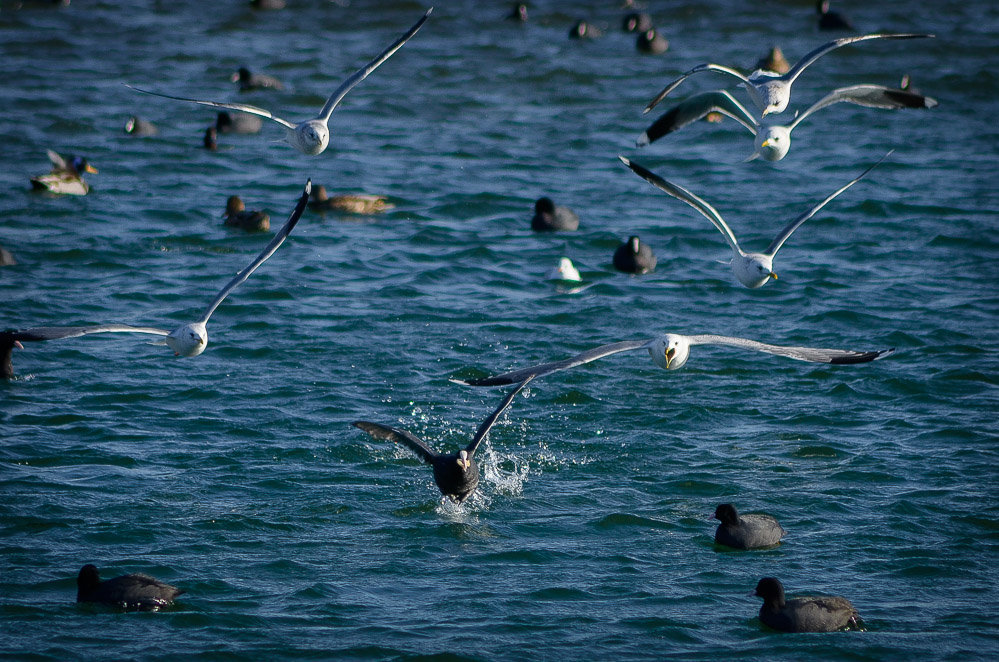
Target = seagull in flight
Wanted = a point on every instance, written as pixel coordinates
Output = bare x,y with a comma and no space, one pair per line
774,141
186,340
752,269
670,351
311,137
769,90
456,474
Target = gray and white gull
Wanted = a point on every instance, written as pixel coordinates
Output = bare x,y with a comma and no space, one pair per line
774,140
312,136
769,90
751,269
186,340
670,351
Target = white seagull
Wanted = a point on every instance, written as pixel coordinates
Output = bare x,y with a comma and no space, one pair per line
312,136
752,269
671,351
772,91
187,340
773,141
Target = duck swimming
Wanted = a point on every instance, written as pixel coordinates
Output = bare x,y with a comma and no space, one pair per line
66,177
353,203
238,216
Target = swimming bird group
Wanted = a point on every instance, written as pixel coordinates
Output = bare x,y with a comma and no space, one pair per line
457,474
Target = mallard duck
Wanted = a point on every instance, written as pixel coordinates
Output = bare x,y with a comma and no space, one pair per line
354,203
66,176
237,216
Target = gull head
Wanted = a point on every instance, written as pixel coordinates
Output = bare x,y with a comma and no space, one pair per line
670,351
565,271
769,91
310,137
188,340
754,269
773,142
464,462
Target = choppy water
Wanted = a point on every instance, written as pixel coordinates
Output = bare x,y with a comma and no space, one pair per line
237,476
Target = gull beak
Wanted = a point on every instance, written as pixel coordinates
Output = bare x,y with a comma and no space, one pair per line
91,169
773,275
766,143
17,343
670,353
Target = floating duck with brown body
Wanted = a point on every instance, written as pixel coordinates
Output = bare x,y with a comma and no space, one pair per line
353,203
237,216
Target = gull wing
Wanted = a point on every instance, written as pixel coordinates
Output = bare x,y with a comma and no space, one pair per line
869,96
264,254
793,225
813,354
363,72
556,366
40,333
483,430
683,194
815,54
400,437
217,104
699,68
694,109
